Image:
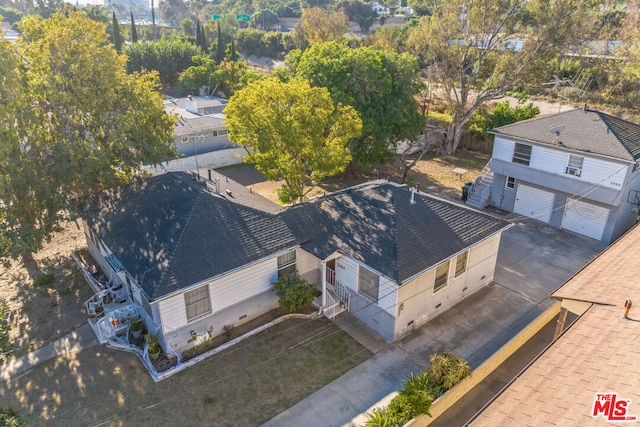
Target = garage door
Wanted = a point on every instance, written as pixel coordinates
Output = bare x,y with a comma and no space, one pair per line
534,203
585,218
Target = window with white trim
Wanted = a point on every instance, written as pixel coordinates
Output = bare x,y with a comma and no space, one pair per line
442,276
287,263
461,263
197,302
522,154
574,167
510,184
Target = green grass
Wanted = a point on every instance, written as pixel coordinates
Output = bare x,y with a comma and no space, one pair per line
43,280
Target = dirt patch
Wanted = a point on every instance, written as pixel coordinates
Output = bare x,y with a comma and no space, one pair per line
433,174
41,314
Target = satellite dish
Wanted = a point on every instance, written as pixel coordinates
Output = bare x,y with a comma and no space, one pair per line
556,129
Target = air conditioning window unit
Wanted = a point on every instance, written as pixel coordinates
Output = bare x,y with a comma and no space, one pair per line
573,171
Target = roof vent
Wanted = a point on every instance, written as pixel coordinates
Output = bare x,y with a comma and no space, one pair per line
413,196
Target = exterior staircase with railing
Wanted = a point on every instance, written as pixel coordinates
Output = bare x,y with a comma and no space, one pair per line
480,191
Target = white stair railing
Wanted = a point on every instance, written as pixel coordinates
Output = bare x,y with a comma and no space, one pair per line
343,293
483,174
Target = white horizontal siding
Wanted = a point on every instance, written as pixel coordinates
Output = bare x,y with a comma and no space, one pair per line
503,149
347,272
224,292
548,159
478,253
604,173
306,263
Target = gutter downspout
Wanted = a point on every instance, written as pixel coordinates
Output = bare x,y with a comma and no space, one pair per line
323,278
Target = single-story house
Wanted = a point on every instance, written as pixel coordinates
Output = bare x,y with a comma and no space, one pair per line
200,127
197,257
576,170
590,374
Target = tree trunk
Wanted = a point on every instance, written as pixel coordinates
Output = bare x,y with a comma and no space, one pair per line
27,257
454,134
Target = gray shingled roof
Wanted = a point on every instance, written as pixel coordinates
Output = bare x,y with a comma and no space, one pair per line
170,231
377,225
584,130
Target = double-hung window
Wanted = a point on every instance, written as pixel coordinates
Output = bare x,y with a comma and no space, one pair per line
442,276
197,302
522,154
574,167
287,263
461,263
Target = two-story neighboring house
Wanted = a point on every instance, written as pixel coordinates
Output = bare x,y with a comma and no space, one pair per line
576,170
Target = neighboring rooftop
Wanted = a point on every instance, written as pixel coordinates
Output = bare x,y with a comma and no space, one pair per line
599,353
171,231
377,224
585,130
196,114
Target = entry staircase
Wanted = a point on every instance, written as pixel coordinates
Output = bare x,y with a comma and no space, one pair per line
338,301
480,191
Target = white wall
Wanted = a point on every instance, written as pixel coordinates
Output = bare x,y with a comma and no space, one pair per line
595,170
420,304
308,266
347,274
212,160
225,291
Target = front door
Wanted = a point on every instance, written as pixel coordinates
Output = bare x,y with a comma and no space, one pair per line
331,273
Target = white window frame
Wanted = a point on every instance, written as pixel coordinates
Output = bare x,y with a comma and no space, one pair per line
368,282
461,263
519,156
287,263
574,165
441,281
200,304
510,183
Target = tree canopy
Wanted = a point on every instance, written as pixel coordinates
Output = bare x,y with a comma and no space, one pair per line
292,131
490,48
380,85
71,121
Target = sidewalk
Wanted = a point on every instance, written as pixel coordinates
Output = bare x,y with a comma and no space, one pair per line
83,337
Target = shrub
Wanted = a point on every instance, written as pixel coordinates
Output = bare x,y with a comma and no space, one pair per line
9,417
294,292
43,280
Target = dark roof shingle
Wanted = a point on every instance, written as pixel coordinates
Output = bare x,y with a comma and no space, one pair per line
377,225
171,232
585,130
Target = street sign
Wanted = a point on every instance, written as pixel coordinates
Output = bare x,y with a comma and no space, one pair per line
215,17
243,17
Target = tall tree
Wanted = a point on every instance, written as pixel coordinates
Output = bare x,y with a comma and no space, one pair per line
477,51
116,37
380,85
317,25
134,33
219,46
71,121
198,34
295,133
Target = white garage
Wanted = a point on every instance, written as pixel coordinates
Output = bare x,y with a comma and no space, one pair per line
534,203
585,218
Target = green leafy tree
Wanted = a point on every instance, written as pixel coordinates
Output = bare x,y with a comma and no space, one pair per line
71,121
295,133
318,26
502,114
10,14
199,75
187,27
490,48
359,12
116,35
167,56
380,85
264,19
9,417
134,33
5,328
293,292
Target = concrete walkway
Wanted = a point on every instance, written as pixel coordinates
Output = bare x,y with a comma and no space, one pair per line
83,337
533,260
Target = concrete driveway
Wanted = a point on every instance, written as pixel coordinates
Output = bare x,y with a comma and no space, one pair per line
533,260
